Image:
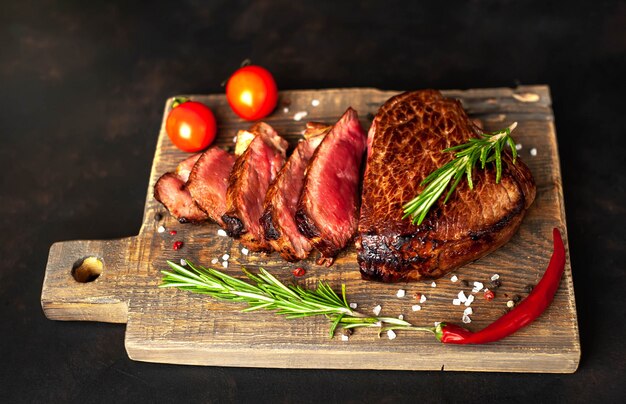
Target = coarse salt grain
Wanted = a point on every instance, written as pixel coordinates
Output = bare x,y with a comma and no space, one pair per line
376,310
344,337
225,264
437,323
466,319
422,299
183,262
454,278
400,293
456,302
353,305
161,229
222,233
416,307
225,257
244,251
468,311
510,304
469,301
462,297
299,115
285,110
518,147
315,103
433,285
391,334
495,277
477,287
235,139
533,152
401,317
214,261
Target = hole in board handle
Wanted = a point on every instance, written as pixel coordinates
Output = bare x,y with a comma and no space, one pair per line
87,269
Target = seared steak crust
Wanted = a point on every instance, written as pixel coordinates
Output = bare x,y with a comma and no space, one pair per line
406,141
248,183
329,205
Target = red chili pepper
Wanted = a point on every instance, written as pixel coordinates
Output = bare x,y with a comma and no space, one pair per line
173,232
523,314
178,245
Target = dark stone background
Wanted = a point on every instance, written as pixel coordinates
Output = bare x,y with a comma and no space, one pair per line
82,87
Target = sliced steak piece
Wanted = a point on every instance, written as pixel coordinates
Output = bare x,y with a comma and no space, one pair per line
172,192
406,141
329,205
248,183
281,201
208,182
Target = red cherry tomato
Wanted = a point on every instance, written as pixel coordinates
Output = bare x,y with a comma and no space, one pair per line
251,92
191,126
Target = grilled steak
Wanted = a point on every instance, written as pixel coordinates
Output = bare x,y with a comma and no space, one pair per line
208,182
329,205
248,183
281,201
172,192
406,143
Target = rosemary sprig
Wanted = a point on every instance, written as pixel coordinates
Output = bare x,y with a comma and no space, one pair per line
269,293
487,148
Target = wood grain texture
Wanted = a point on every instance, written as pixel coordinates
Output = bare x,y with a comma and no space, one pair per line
171,326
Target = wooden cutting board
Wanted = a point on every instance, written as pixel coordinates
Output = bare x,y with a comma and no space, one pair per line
173,326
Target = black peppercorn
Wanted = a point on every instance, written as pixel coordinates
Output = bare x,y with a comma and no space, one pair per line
464,282
528,288
158,216
517,298
496,283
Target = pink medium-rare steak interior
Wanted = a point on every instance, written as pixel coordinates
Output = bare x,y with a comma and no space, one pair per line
208,182
281,201
171,190
249,181
328,208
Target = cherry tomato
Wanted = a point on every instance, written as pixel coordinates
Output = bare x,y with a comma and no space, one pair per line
251,92
191,126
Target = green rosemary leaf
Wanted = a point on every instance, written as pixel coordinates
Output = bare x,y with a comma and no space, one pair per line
269,293
487,148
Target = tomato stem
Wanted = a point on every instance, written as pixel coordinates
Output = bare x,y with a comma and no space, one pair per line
178,101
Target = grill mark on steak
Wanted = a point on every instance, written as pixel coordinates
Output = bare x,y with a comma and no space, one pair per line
171,190
281,201
406,143
248,183
208,182
328,208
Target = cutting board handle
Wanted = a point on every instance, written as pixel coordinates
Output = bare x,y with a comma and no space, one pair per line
85,280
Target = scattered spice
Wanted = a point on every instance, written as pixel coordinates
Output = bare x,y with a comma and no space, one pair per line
161,229
433,285
299,115
510,304
225,257
343,336
468,311
417,296
454,278
225,264
178,245
376,310
401,293
183,262
517,298
518,147
173,232
298,271
401,317
315,103
158,216
422,299
214,261
489,295
464,282
469,300
353,305
496,284
416,307
466,319
477,287
533,152
391,334
222,233
529,288
495,277
456,302
244,251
